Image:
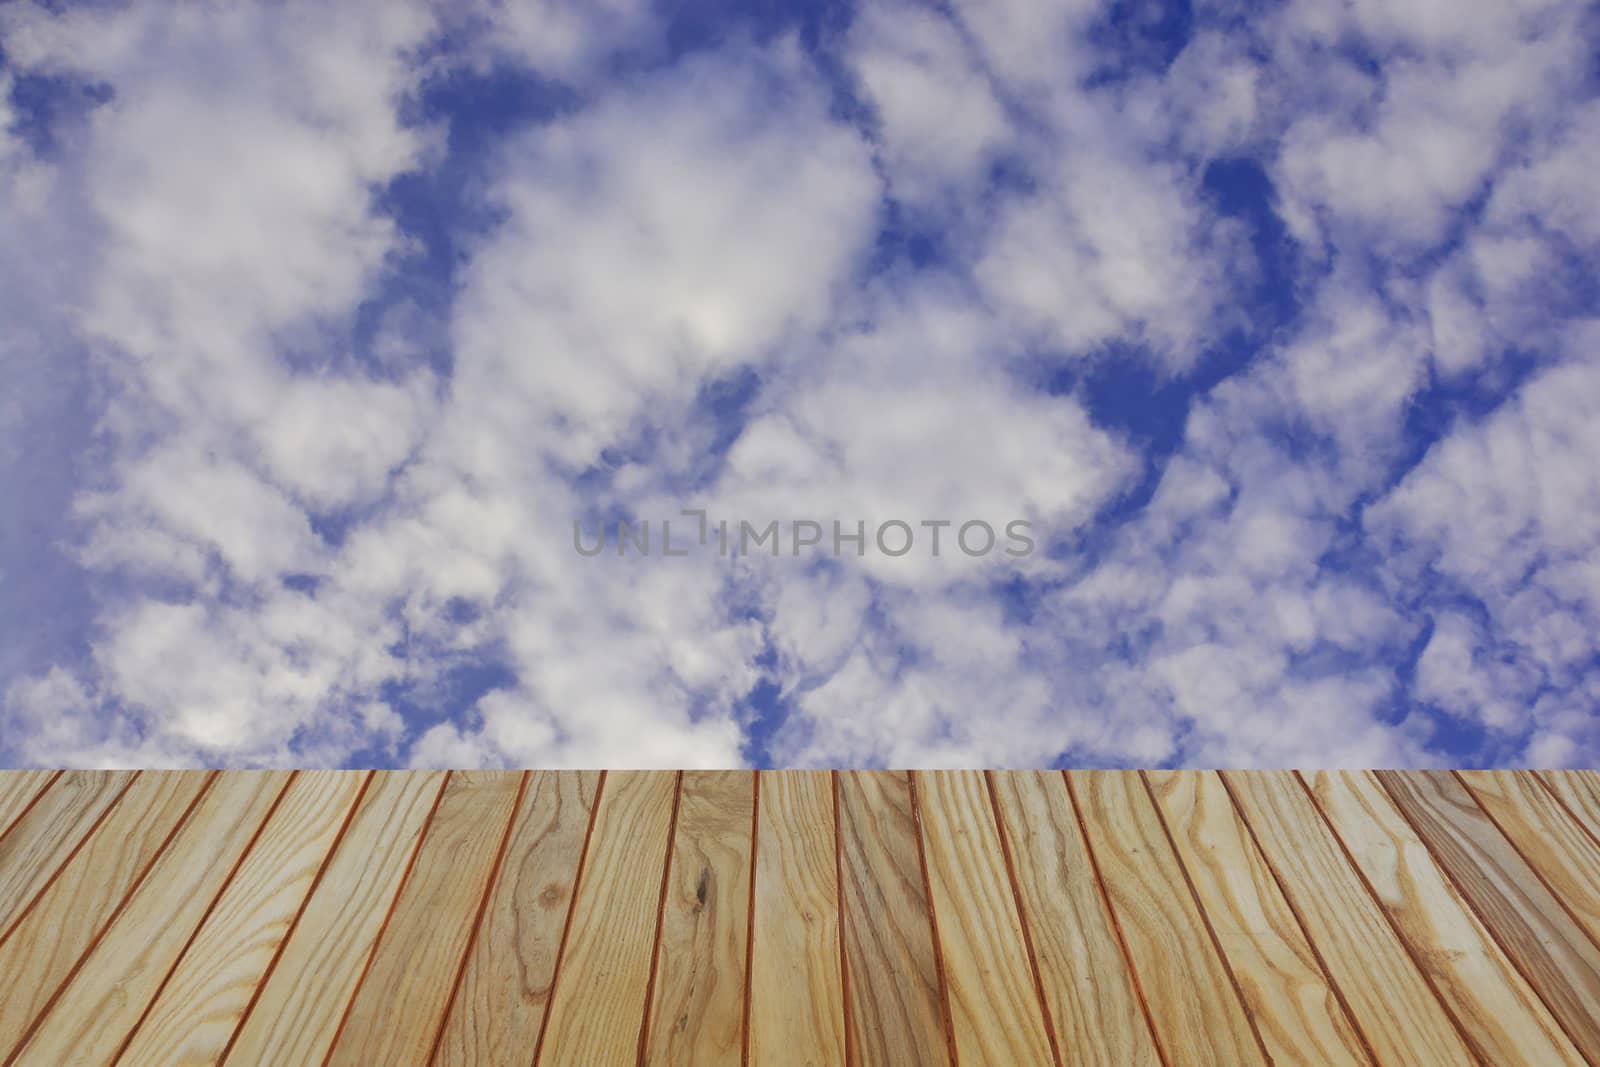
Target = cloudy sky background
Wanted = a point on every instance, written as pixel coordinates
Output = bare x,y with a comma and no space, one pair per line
322,323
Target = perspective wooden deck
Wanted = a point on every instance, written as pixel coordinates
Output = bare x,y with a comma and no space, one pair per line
797,918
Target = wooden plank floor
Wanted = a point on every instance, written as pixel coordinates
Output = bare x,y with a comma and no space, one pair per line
795,918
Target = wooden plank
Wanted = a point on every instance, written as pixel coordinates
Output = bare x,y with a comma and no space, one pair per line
1388,998
1550,837
1497,1012
1087,985
996,1011
1295,1007
1530,924
598,1009
298,1007
1194,1006
41,952
505,987
896,1009
95,1013
208,919
399,1007
46,836
200,1006
18,790
1579,794
796,968
697,1017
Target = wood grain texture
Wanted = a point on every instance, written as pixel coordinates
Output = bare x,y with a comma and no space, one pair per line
1530,924
95,1013
397,1011
43,838
1193,1003
1388,998
1295,1008
299,1006
849,919
1087,985
896,1011
201,1004
505,987
995,1008
1497,1012
40,952
600,999
18,791
1579,793
1550,837
796,992
697,1017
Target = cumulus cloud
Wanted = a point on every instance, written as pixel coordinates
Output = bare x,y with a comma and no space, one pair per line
1113,247
1306,456
1508,511
672,233
940,122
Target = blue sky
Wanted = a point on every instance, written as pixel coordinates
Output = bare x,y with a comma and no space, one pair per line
1278,324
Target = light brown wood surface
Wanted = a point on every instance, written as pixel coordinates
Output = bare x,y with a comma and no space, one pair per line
1198,1012
43,948
796,993
92,1017
396,1014
1529,922
202,1002
697,1014
1088,987
896,1010
1579,793
18,791
995,1006
1550,835
504,991
45,836
787,918
1283,983
301,1002
602,992
1495,1010
1390,1001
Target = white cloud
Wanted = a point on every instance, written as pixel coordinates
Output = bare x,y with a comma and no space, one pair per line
561,39
1512,493
217,202
916,418
302,551
1459,673
1507,509
1036,48
1406,145
1115,245
941,124
1215,93
672,233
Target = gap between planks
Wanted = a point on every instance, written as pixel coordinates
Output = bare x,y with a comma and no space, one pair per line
394,902
572,907
111,918
1394,928
1299,918
1116,923
294,923
477,920
661,912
